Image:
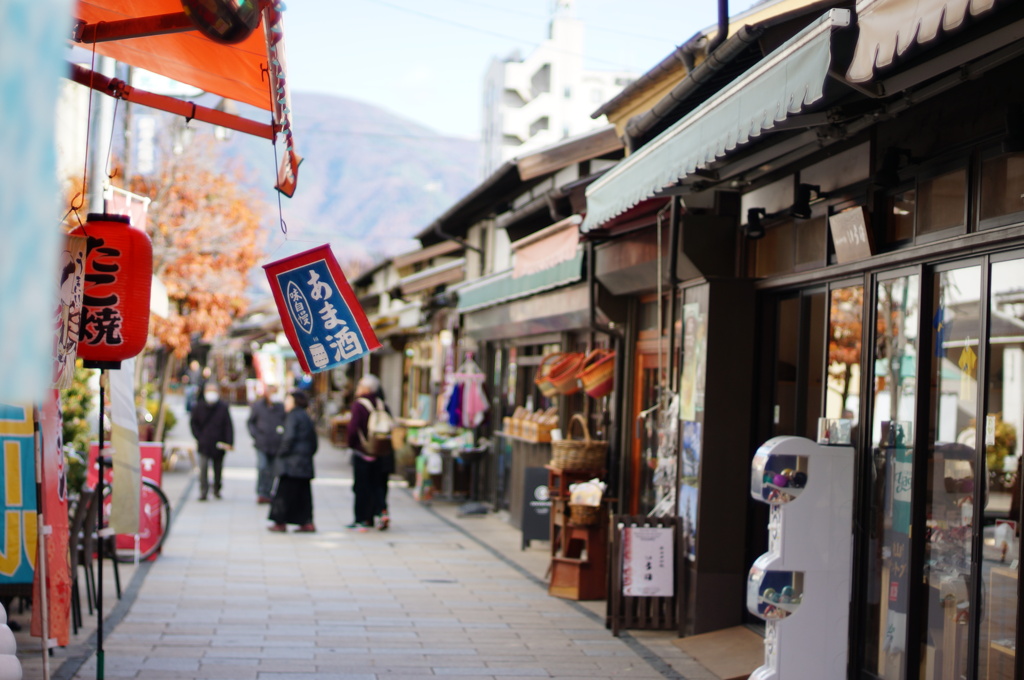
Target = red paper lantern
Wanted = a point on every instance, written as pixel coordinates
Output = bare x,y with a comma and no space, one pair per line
115,299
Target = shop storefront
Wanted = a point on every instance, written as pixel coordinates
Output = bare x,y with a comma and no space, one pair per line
882,246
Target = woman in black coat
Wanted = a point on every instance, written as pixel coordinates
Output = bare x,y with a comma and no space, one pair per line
293,500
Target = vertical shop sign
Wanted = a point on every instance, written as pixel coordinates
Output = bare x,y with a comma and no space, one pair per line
19,527
321,317
124,435
54,505
647,562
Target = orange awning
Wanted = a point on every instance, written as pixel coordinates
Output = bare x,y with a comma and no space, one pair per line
252,71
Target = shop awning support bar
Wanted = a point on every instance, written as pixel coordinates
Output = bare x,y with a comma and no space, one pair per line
121,90
141,27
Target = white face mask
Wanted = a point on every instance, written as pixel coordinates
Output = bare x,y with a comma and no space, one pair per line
212,397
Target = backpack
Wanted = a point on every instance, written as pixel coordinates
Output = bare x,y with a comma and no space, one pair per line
377,441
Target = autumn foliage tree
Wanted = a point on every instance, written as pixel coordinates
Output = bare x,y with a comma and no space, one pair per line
207,237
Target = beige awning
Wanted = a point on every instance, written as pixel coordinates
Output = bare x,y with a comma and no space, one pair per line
888,28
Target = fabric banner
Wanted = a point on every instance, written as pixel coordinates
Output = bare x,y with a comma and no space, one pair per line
321,316
124,435
68,316
18,498
54,506
32,69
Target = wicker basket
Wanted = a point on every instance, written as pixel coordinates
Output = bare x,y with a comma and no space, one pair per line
584,515
578,454
542,381
597,373
565,374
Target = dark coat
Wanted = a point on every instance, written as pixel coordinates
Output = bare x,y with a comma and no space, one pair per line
299,443
266,425
211,423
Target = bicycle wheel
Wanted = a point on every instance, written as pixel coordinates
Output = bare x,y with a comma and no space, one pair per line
154,522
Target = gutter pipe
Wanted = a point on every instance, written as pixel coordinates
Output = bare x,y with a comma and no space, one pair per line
723,26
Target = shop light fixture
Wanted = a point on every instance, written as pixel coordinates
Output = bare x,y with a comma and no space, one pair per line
806,195
755,228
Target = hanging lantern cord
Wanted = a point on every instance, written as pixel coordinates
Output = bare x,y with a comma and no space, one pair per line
112,173
79,199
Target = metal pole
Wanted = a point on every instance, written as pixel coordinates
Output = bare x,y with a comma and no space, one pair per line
99,543
42,532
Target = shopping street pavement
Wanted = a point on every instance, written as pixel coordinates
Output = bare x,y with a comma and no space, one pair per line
436,595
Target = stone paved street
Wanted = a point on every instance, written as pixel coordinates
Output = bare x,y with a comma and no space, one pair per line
435,596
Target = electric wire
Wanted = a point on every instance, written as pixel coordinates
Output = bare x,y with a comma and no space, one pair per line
494,34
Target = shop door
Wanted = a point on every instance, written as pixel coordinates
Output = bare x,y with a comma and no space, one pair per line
651,358
797,362
792,366
947,404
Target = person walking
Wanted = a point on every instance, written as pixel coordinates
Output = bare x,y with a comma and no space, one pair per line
215,436
266,426
370,469
293,500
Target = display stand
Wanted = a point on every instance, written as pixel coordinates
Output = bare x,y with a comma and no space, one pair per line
579,554
807,566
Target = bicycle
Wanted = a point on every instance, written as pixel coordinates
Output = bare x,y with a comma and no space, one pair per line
154,522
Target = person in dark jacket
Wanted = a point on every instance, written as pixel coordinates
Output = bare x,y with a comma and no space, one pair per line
369,473
293,501
215,435
266,425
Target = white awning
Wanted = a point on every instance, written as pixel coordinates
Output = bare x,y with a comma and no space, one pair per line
783,84
888,28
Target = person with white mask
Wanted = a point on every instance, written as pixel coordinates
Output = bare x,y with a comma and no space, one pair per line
215,435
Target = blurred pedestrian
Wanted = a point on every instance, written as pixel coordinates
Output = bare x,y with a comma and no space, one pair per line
215,436
370,468
293,500
266,425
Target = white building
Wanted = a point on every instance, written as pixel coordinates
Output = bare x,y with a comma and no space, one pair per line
548,96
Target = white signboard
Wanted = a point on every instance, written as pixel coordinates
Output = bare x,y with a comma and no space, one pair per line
647,562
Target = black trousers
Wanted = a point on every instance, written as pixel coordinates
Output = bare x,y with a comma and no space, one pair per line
204,472
293,502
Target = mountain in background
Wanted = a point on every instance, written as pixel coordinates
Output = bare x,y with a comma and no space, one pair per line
370,180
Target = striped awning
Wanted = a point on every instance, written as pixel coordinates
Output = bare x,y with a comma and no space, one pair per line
888,28
783,84
503,287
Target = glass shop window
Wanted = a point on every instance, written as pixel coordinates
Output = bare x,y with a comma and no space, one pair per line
942,202
902,207
927,208
1002,189
811,243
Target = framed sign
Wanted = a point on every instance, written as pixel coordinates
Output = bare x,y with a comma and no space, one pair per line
648,567
850,235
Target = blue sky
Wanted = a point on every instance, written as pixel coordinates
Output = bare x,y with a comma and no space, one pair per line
426,61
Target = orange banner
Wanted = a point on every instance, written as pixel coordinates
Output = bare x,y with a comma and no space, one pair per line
54,506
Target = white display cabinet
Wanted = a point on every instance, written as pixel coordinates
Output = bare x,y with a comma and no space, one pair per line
801,586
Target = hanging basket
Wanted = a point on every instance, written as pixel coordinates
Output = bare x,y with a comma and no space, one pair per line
565,374
542,381
578,454
597,373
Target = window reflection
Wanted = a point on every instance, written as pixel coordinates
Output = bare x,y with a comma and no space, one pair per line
1002,439
949,496
894,387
